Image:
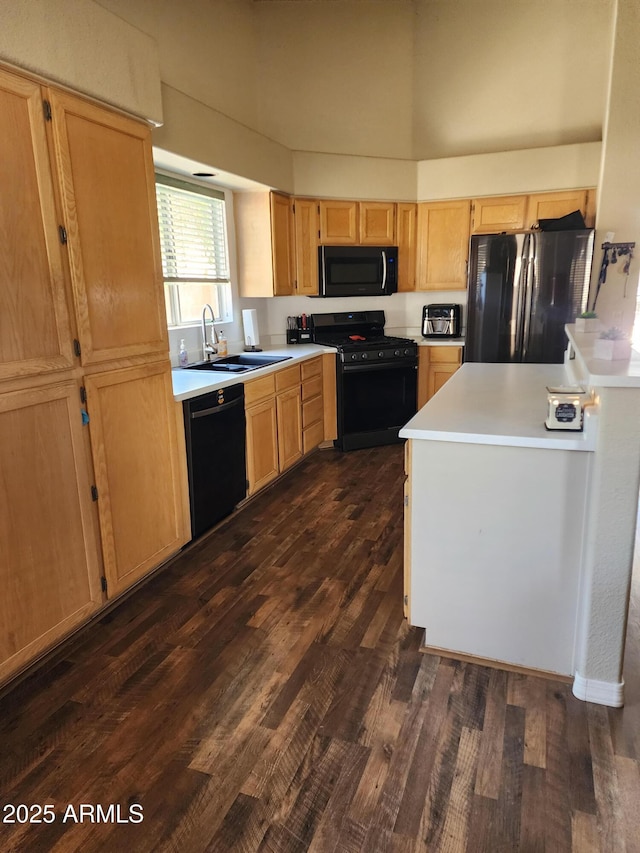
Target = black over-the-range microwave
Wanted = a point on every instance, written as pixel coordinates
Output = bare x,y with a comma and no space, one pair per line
357,270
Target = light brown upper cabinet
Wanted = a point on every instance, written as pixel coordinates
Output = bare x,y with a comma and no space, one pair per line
443,245
377,223
406,233
35,335
106,173
282,244
339,223
499,213
265,243
554,205
307,236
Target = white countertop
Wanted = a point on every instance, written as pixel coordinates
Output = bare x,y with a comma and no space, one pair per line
192,383
502,404
597,371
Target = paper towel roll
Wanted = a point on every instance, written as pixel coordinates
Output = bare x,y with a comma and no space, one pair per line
250,324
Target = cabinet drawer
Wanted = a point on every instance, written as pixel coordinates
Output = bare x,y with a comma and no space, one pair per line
312,387
311,368
312,411
258,389
445,355
287,377
312,437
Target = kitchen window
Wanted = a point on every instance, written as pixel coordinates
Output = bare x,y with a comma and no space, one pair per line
195,254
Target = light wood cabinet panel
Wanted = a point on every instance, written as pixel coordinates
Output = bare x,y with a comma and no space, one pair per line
339,223
443,245
499,213
35,334
288,408
287,377
312,411
377,223
106,172
590,213
435,365
264,243
49,564
312,436
329,395
307,230
262,444
406,233
554,205
282,245
139,470
311,368
406,598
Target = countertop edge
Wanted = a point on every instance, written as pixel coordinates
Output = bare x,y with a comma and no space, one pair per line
188,384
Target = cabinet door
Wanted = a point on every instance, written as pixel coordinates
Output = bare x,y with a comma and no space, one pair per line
443,245
438,375
501,213
139,470
34,326
377,223
49,564
108,196
262,444
307,225
282,245
288,406
554,205
339,223
406,232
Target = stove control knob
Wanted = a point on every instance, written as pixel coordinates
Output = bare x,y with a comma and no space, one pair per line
407,352
354,356
381,354
397,352
365,355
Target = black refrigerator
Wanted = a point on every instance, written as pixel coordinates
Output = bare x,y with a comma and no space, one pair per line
523,288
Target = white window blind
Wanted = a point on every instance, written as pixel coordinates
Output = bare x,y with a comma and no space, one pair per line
193,236
194,249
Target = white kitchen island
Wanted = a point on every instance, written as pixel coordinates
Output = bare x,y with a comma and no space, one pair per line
495,519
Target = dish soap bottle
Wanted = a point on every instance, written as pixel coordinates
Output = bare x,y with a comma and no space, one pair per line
222,344
183,355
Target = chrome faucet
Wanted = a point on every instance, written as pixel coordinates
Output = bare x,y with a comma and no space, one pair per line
209,348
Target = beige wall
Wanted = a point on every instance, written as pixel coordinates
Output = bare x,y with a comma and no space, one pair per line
530,170
336,77
499,75
80,45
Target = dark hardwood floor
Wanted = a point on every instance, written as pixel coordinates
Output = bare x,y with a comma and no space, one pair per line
263,693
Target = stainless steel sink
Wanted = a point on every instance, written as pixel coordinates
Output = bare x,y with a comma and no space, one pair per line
239,363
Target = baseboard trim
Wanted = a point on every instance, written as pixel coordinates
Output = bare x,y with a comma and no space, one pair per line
494,664
610,693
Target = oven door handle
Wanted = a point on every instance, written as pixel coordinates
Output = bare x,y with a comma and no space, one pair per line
370,367
384,269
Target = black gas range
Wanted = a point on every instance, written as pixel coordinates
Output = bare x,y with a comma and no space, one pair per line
376,377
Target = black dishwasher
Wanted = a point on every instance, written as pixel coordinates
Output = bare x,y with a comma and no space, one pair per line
214,426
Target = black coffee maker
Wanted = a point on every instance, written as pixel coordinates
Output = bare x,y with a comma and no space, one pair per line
441,321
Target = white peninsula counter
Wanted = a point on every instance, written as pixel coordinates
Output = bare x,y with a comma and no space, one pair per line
495,519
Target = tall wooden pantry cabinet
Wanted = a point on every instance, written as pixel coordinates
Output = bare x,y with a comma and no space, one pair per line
92,470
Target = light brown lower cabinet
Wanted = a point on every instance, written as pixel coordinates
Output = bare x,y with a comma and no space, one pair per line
312,404
436,364
286,419
138,458
49,552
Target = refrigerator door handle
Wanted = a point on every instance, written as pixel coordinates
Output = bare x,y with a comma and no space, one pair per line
520,286
528,297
